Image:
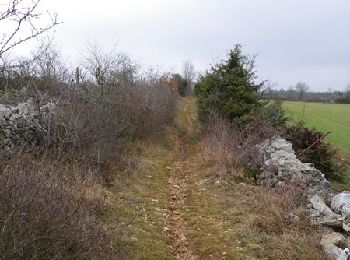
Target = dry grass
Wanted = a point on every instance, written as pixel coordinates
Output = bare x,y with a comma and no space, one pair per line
220,146
262,218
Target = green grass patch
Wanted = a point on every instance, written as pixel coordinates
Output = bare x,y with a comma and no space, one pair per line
324,118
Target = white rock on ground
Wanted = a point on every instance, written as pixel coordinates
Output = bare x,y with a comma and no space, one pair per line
320,213
341,204
330,243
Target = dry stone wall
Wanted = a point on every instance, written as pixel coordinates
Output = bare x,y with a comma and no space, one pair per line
22,125
281,170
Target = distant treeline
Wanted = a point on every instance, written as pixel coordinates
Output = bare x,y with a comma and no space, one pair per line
297,94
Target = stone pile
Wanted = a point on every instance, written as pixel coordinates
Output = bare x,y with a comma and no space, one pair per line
281,169
22,125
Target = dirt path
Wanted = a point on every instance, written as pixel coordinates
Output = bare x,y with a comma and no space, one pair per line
176,225
177,191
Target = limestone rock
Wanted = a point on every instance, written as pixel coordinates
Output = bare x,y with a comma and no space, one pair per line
320,213
22,125
282,169
330,243
341,204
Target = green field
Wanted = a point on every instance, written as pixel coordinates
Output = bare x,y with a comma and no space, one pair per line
324,117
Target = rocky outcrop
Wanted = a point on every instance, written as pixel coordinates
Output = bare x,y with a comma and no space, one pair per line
22,125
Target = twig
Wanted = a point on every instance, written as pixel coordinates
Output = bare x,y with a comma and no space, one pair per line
313,144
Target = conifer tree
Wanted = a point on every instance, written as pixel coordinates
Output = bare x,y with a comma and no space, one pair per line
229,88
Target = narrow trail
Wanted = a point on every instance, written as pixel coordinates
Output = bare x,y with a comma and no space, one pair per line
177,193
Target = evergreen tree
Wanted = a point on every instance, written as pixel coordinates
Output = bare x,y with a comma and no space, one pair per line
229,88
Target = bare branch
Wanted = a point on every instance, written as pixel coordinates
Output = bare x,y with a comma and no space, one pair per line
21,15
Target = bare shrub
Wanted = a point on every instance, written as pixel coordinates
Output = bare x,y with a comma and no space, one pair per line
220,145
110,67
253,134
52,202
87,122
228,146
47,211
51,206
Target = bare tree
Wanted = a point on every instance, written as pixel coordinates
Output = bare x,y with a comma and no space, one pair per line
43,69
302,88
109,67
267,90
151,75
188,73
47,62
21,20
347,89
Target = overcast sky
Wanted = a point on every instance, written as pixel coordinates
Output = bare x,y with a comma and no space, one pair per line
296,40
